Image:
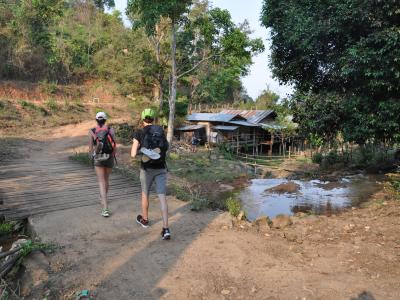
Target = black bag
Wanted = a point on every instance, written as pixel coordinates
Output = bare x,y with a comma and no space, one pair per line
154,137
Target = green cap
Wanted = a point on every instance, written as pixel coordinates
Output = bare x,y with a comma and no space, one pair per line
148,113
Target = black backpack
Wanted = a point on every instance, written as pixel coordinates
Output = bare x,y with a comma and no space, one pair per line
102,135
154,137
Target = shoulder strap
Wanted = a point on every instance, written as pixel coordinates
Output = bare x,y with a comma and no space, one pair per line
93,132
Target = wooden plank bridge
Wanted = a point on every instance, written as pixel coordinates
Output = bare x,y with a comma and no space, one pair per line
28,188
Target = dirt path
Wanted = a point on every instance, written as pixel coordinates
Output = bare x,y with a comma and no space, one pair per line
352,256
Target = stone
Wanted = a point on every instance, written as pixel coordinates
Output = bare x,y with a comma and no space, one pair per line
225,220
225,292
281,221
241,215
284,188
226,187
292,236
349,227
263,224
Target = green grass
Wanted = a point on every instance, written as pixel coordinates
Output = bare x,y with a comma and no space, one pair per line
52,105
8,112
6,228
198,168
189,194
234,206
82,157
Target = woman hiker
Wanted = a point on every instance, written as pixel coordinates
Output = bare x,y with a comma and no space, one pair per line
102,148
152,143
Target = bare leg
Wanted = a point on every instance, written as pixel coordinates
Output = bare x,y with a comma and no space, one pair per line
164,209
145,206
107,177
101,178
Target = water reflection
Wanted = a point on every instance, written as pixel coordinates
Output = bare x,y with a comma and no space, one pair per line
276,196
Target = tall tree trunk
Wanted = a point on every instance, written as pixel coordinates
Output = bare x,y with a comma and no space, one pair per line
172,99
160,97
158,59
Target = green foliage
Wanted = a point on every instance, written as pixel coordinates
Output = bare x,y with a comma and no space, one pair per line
234,206
49,87
190,194
31,246
5,228
148,13
317,158
267,100
52,105
335,45
332,158
123,132
82,157
226,151
342,57
393,184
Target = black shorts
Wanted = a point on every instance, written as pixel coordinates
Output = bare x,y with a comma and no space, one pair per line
109,163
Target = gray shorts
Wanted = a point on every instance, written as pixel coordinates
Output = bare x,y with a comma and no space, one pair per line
149,175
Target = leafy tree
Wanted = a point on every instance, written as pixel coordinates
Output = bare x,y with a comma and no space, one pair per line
104,3
343,45
148,14
208,52
342,56
267,99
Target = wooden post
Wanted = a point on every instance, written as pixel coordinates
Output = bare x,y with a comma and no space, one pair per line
254,141
237,141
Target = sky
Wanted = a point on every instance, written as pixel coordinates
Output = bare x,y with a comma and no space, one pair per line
260,76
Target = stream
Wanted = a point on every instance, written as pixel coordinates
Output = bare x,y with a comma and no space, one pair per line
270,197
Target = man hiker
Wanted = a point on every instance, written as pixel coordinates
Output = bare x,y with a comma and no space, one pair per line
152,143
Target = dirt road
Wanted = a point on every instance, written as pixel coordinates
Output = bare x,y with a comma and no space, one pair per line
355,255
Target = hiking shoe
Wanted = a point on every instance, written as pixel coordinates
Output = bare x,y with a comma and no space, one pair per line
142,222
105,212
165,234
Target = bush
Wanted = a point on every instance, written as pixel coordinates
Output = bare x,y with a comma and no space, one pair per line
365,156
317,158
332,158
5,228
226,151
52,105
26,104
123,132
82,157
174,156
393,185
49,87
234,206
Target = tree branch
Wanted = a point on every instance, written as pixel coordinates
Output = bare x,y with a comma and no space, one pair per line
196,66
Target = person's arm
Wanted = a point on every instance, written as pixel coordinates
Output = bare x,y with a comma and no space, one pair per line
112,133
90,144
135,147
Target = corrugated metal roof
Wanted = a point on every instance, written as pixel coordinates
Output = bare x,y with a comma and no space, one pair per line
190,127
252,116
272,126
244,123
226,128
210,117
